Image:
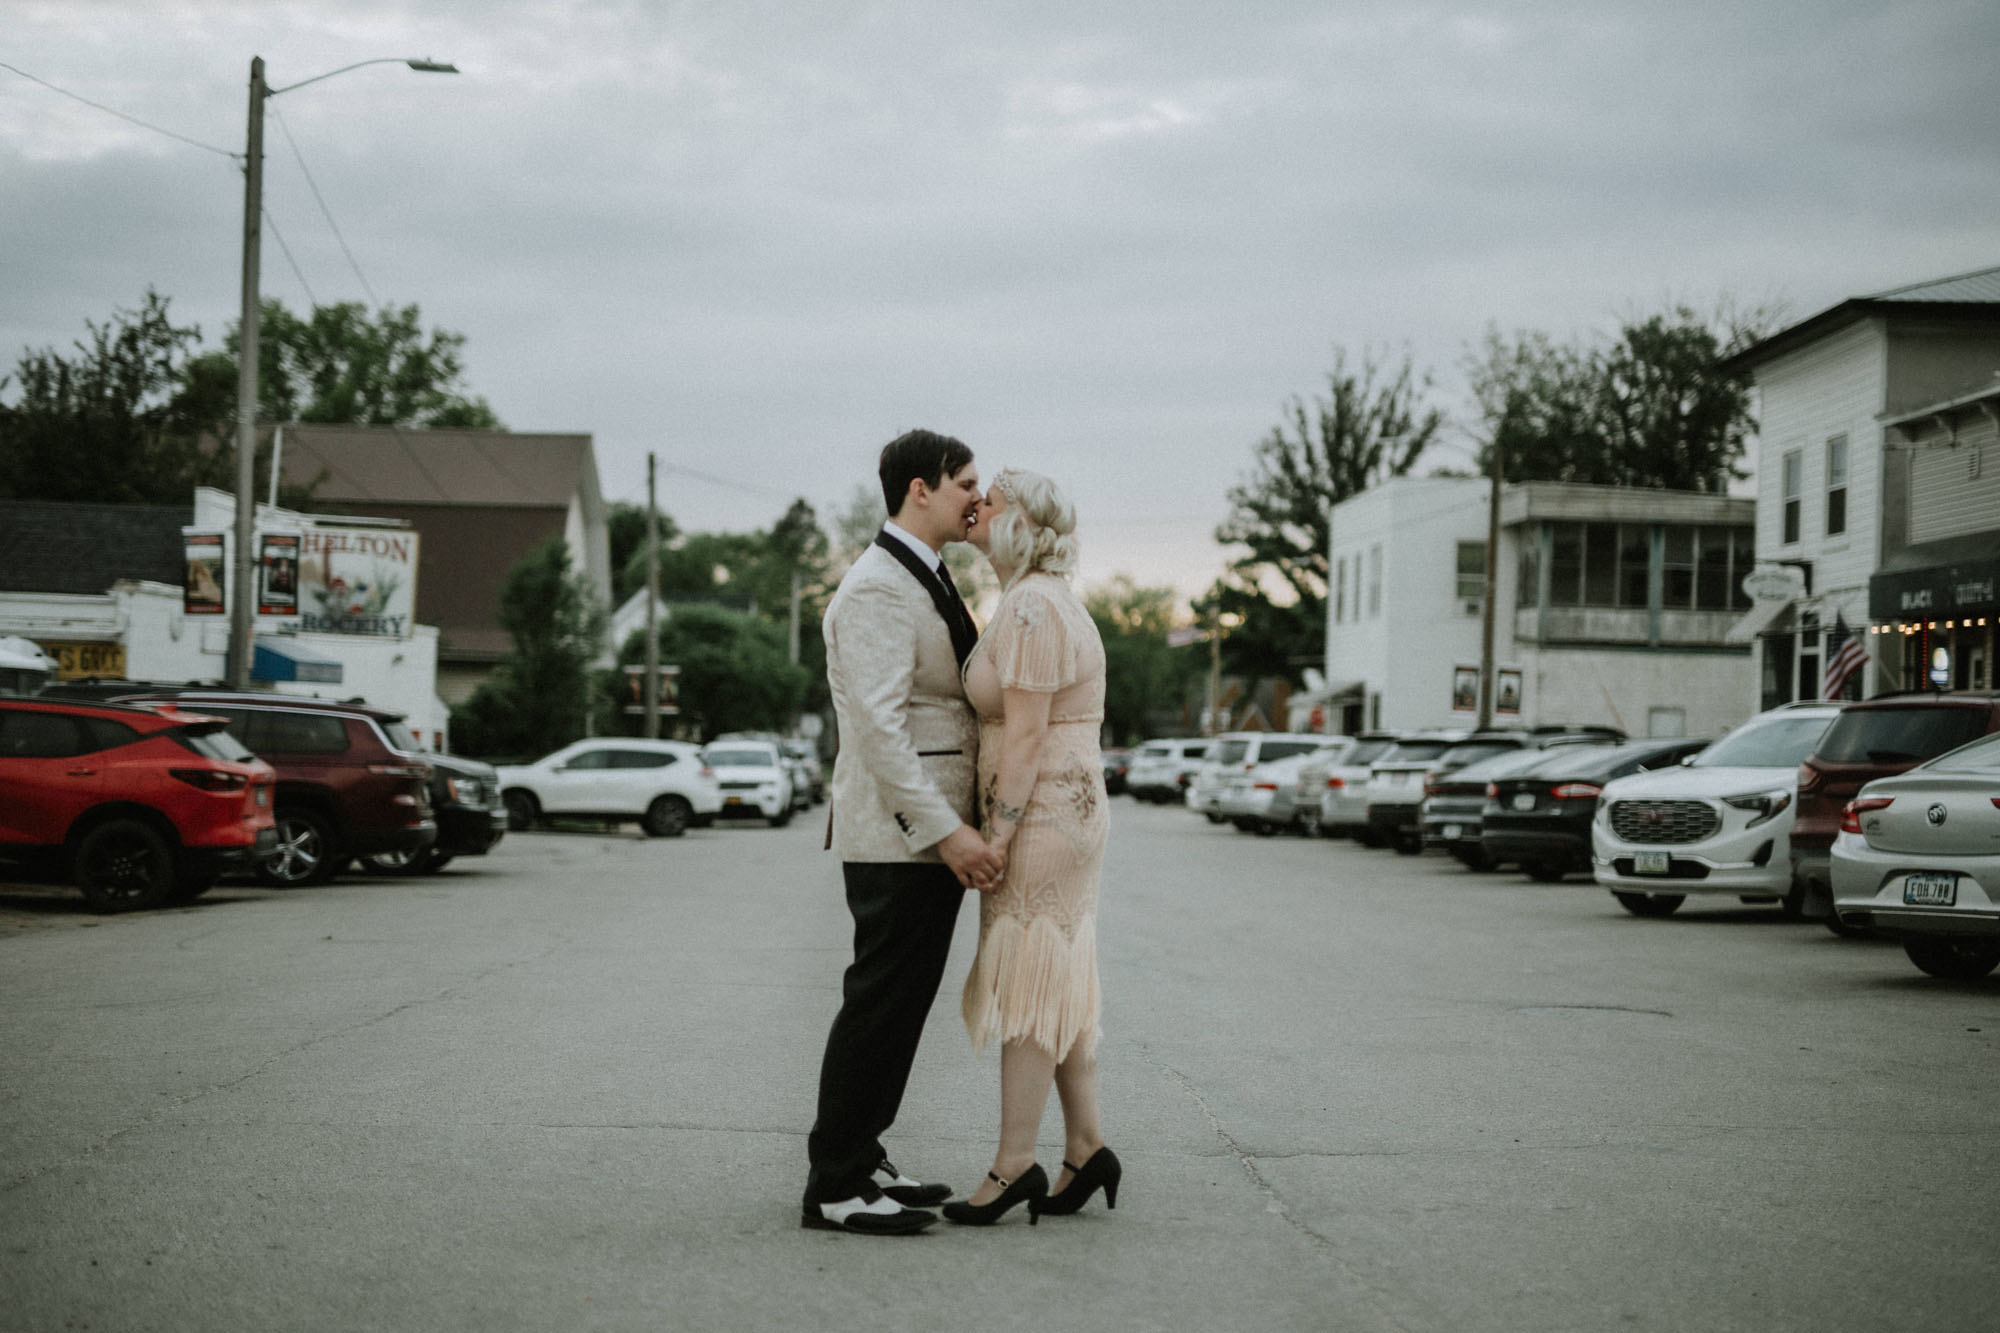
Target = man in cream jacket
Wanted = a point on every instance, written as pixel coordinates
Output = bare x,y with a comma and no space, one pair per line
897,633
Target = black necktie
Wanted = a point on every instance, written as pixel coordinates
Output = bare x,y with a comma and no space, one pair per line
964,632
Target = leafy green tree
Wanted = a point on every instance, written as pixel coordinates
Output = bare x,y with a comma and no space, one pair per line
626,528
1653,408
121,420
539,697
1145,681
341,365
1372,424
734,671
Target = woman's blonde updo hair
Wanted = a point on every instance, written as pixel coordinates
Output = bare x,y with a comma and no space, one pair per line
1033,533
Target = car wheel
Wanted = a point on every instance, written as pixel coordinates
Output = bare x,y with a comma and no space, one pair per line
666,817
1472,858
122,865
304,854
1649,904
1368,837
1407,844
1842,929
522,810
419,862
1793,904
1214,818
1954,960
782,818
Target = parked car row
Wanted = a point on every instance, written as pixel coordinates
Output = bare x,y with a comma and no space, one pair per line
143,795
1880,817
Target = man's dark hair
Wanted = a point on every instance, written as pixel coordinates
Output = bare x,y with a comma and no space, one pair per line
919,454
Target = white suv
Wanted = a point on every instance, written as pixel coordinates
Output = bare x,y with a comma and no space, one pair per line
1720,823
1235,753
755,777
1161,770
661,784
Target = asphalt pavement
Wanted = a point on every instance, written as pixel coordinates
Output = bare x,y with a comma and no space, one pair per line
567,1086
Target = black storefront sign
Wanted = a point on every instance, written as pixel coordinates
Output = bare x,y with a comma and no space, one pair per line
1940,591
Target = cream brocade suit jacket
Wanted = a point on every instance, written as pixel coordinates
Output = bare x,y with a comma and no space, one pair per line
909,742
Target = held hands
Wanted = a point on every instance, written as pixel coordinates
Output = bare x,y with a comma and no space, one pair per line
978,863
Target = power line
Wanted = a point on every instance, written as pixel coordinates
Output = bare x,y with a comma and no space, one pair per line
325,212
113,111
297,272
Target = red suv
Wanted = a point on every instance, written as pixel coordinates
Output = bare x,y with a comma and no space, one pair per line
1877,738
350,779
138,806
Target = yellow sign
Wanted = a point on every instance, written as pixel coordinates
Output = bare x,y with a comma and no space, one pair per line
74,661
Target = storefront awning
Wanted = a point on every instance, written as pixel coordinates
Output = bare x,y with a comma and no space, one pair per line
1761,617
288,659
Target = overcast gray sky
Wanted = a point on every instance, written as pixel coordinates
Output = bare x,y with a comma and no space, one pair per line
1105,241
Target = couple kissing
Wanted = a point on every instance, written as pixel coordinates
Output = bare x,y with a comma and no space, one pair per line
966,761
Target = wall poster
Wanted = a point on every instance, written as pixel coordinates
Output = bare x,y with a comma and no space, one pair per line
1465,689
278,575
201,594
1507,692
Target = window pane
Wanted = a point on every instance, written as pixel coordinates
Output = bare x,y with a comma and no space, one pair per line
1711,569
1791,475
1635,558
1527,591
306,733
1600,564
1677,568
1836,511
32,735
1471,570
1565,564
1836,461
1791,533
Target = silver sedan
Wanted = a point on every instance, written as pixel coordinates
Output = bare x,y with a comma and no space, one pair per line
1918,859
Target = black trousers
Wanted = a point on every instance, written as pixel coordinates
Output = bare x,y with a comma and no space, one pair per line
904,913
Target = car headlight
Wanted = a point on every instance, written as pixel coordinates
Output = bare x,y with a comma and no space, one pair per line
1762,805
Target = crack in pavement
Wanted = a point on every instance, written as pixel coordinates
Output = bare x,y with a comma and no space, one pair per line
103,1141
1274,1200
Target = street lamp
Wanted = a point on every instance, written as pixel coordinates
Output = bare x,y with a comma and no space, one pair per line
242,619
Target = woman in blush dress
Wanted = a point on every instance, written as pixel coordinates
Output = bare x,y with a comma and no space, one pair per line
1036,680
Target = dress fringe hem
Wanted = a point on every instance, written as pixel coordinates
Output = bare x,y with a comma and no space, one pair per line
1032,983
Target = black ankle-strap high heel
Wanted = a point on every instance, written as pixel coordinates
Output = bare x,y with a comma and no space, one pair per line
1032,1185
1103,1169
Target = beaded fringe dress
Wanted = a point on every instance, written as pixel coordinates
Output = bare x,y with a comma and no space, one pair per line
1035,976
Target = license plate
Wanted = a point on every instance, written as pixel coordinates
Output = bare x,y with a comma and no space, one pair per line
1451,832
1931,889
732,800
1650,863
1524,800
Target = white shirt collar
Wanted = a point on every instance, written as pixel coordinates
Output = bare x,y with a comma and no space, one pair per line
917,544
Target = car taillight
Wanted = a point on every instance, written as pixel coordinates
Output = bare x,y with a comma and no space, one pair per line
1575,791
1335,784
1267,786
211,779
1492,791
1809,779
1850,814
399,770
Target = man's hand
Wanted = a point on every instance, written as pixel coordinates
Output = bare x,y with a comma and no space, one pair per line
976,862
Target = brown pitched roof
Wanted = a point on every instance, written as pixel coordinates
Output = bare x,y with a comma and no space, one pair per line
456,467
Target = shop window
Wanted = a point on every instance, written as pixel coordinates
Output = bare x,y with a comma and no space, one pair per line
1836,485
1789,476
1528,574
1600,564
1471,586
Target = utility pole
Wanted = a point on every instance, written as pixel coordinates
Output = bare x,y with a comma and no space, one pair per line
652,604
241,622
1492,589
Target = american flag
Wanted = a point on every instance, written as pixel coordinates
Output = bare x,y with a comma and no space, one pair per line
1845,656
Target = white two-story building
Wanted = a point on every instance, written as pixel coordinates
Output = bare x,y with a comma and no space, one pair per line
1878,487
1613,607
